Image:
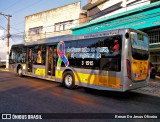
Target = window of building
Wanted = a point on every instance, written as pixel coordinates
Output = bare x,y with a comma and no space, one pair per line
63,25
36,30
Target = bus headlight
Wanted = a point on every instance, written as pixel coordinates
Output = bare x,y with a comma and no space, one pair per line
24,67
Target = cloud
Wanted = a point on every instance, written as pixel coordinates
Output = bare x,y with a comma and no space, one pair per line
1,33
2,49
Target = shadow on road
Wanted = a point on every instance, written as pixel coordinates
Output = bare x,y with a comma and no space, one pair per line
58,88
99,93
128,95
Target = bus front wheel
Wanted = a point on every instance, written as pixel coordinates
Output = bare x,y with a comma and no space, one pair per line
68,80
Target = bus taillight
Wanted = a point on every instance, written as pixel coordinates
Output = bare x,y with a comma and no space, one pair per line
128,68
148,72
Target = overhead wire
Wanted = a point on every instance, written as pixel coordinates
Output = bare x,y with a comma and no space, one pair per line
96,13
16,13
20,10
3,28
53,25
28,6
11,6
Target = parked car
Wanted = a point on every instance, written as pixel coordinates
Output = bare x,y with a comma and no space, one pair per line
152,71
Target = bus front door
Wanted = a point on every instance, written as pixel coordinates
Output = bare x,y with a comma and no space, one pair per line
30,60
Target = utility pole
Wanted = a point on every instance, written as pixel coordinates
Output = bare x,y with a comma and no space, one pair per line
8,36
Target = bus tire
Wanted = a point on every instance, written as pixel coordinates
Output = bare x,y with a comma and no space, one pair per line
19,71
68,80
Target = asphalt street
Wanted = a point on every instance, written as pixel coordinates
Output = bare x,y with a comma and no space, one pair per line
31,95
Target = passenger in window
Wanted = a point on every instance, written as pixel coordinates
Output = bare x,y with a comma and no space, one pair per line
116,48
30,54
24,58
39,57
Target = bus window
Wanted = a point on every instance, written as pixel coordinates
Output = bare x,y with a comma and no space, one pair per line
12,56
18,54
21,54
139,46
30,59
111,60
50,60
39,57
96,53
39,53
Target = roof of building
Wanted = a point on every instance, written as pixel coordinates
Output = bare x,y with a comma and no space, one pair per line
53,9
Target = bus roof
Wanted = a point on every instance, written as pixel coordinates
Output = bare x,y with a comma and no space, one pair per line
54,40
17,45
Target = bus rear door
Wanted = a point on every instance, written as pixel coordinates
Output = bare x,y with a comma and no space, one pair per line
52,57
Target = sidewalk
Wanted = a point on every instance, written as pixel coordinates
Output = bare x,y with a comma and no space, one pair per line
158,77
4,69
153,88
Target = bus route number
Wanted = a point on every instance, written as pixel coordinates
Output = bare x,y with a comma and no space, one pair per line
87,63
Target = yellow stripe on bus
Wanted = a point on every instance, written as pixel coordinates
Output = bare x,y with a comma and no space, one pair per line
40,71
93,79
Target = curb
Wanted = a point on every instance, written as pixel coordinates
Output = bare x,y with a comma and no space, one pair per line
7,70
158,77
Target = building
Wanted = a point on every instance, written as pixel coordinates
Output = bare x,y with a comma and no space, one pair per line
137,14
54,22
97,9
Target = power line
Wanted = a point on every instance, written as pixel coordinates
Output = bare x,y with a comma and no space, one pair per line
46,33
3,28
19,23
73,20
13,40
99,11
52,15
11,6
30,5
15,29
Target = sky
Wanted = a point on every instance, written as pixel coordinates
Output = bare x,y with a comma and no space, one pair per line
18,9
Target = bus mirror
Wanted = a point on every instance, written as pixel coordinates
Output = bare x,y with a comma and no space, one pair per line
127,35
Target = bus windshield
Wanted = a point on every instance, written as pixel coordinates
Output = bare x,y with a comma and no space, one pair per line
139,44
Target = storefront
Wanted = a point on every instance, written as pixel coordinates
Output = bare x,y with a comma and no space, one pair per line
146,18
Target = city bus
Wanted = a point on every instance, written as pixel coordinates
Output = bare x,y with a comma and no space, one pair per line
116,60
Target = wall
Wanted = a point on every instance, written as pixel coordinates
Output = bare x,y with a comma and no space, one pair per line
97,10
48,19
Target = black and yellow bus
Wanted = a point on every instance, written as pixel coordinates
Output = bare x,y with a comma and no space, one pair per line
111,60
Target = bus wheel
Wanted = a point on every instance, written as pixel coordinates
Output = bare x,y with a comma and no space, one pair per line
19,72
68,80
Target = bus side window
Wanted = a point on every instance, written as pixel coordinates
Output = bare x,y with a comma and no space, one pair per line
39,57
39,54
43,53
29,54
13,57
10,57
111,60
24,58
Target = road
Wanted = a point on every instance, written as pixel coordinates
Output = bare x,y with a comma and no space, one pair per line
31,95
